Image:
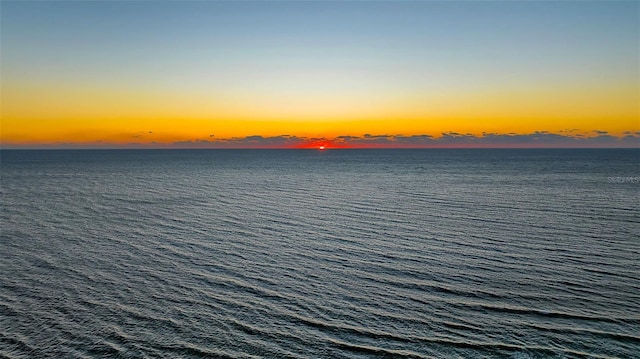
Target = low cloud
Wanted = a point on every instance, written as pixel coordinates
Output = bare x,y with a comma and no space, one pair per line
451,139
254,141
446,139
141,134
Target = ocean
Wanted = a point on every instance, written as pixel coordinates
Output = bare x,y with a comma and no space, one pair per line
432,253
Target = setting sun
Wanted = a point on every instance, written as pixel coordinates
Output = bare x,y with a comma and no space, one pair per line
320,178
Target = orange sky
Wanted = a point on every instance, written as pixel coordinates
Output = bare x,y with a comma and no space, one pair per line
124,78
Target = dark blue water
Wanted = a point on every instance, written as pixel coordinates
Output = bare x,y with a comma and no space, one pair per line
320,254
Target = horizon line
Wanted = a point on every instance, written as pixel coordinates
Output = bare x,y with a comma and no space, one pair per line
535,139
141,148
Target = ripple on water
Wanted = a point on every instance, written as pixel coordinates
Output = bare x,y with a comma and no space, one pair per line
345,254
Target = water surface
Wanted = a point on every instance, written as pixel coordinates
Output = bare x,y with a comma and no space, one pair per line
308,254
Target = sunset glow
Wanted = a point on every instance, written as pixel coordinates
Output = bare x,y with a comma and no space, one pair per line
313,74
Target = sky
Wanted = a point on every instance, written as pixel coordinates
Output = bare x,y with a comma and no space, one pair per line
309,73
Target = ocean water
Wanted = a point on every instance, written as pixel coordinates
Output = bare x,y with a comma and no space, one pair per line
320,254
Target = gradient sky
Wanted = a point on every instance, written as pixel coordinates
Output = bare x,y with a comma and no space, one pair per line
171,72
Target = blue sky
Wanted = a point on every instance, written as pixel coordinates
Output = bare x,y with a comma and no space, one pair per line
429,61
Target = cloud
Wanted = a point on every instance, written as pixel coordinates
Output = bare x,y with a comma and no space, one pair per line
254,141
542,139
446,139
365,140
415,140
141,134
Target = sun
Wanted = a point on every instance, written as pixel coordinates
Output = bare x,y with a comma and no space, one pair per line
320,145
